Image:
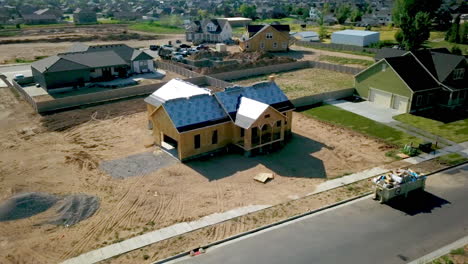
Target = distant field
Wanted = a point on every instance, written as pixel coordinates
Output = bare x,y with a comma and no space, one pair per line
306,82
157,28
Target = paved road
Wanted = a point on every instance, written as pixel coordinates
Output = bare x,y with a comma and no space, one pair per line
361,232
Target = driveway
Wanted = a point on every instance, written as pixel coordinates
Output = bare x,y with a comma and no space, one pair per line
369,110
10,71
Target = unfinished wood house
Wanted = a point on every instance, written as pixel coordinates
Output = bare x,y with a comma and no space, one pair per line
190,121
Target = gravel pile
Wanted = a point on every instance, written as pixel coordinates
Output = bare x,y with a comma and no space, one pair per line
64,210
74,208
26,205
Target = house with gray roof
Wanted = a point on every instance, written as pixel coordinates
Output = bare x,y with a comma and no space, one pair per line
84,64
209,30
84,16
424,80
192,121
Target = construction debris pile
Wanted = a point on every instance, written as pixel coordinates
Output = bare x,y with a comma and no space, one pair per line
396,178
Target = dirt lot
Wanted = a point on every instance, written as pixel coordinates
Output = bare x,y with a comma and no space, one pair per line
306,81
31,51
60,154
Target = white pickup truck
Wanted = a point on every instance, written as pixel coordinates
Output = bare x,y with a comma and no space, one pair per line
397,184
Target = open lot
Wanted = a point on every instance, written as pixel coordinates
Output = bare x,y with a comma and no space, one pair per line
306,82
61,154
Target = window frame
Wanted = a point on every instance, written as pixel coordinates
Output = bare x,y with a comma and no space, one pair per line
269,35
214,137
197,141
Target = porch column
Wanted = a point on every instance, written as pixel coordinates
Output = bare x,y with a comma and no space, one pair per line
282,130
248,139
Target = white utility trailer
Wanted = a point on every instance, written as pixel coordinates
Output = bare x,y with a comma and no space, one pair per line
383,191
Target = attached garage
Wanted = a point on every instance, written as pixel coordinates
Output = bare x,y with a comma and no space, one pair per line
400,103
380,97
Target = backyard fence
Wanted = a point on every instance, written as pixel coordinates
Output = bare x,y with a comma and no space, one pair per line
234,75
335,67
177,69
25,95
334,46
323,97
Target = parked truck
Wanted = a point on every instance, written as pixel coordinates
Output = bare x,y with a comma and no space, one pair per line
398,183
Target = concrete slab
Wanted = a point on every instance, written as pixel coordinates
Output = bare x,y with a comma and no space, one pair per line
34,91
181,228
368,110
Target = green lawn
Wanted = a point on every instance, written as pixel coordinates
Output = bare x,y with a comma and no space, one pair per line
436,40
155,27
455,131
341,60
338,116
451,159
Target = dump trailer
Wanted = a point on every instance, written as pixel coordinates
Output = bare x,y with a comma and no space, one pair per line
397,184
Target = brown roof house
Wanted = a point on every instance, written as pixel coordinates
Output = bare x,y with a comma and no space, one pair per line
265,38
191,121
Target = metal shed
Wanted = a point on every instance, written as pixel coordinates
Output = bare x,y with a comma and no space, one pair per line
355,37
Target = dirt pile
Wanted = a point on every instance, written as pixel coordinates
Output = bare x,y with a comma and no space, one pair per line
67,210
26,205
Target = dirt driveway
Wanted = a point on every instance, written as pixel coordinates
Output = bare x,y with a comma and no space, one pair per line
61,153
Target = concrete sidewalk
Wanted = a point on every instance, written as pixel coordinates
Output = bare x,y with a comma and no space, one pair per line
185,227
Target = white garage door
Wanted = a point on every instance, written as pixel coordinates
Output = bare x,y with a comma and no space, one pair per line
400,103
380,97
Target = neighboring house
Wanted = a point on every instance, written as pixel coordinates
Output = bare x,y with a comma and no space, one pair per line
360,38
84,64
265,38
315,14
388,53
238,21
196,122
84,16
416,81
127,15
309,36
42,16
209,30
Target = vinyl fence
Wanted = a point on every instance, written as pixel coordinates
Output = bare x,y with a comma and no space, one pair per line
323,97
235,75
177,69
334,46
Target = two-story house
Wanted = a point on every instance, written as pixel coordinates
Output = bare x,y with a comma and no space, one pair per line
209,30
265,38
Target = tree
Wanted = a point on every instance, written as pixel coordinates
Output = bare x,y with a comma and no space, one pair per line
412,7
342,13
442,17
323,33
399,36
456,50
249,11
356,15
452,34
202,14
415,30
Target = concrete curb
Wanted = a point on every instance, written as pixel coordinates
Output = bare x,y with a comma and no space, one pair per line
184,254
265,227
441,251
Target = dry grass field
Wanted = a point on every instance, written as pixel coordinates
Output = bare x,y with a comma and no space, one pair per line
306,82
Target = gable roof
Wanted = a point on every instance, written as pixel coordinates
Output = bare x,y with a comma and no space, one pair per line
388,53
412,73
191,107
249,111
174,89
90,57
265,92
440,65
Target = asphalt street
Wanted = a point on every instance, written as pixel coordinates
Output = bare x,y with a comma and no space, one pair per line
362,231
